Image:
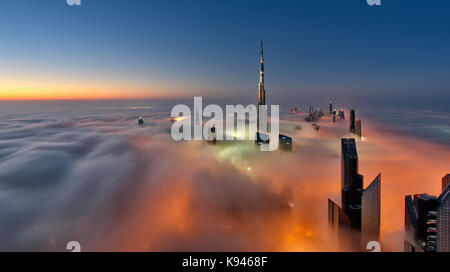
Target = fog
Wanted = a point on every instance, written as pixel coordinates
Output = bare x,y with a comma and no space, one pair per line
97,177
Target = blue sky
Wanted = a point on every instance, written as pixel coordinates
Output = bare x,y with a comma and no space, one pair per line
312,48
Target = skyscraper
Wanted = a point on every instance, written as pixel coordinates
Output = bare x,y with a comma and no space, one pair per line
351,183
352,128
420,223
338,225
371,211
358,128
262,110
445,181
443,222
261,91
427,222
334,213
410,224
330,108
359,217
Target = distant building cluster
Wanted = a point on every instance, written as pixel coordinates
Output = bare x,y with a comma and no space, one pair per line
314,115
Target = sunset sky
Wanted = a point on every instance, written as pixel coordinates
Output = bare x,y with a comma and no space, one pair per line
164,49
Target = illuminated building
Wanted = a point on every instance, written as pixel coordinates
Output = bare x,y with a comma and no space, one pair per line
262,116
442,222
420,223
427,222
285,142
262,136
140,120
341,115
445,181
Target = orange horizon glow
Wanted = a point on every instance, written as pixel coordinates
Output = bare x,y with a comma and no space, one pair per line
78,93
44,88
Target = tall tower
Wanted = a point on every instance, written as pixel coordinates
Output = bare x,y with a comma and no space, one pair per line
352,122
371,211
261,91
262,113
351,182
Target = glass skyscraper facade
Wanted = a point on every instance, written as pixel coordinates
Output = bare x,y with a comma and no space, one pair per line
442,222
371,211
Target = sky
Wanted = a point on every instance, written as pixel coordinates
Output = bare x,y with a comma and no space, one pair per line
166,49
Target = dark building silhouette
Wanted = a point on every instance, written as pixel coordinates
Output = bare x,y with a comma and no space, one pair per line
339,224
314,115
410,225
359,217
445,181
351,183
358,128
352,127
330,108
355,125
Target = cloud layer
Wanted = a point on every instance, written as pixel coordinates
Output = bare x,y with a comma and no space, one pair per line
100,179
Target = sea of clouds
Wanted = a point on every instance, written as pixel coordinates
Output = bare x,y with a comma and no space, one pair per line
95,176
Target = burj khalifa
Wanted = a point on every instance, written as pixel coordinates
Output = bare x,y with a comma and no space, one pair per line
262,108
261,91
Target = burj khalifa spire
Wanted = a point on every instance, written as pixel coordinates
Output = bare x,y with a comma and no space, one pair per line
261,91
262,108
